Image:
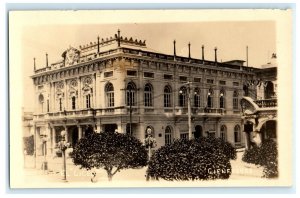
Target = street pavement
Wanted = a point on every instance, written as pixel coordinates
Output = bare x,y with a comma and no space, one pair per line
33,171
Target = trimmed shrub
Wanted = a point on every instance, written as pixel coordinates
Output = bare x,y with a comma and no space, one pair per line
266,155
253,155
29,144
218,143
189,160
109,150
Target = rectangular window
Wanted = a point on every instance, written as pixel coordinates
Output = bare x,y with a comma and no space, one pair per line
167,99
131,73
148,75
108,74
197,79
210,81
168,77
184,136
60,104
235,103
110,99
48,108
236,83
88,101
183,78
73,103
222,82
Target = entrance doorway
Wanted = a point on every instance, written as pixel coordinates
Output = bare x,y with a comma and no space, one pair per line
110,127
73,134
269,130
198,132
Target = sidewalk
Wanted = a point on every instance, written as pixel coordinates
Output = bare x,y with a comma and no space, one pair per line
240,170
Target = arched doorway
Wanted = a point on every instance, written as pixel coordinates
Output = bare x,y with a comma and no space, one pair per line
269,90
269,130
198,132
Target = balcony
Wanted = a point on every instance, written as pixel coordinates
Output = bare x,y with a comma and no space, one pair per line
267,103
200,111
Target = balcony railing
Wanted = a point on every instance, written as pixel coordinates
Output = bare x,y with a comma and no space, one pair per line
267,103
200,111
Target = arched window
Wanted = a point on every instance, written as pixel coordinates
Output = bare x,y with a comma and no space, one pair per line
237,134
73,102
109,91
130,94
223,133
168,135
222,99
210,98
88,101
148,93
235,100
197,97
41,103
167,96
182,96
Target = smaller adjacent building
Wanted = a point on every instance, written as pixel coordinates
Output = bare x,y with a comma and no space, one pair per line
260,113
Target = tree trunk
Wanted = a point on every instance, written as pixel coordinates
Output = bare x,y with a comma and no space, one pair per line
109,175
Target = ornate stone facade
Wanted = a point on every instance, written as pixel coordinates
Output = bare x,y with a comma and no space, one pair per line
120,84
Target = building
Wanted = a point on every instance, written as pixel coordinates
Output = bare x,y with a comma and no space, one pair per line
260,112
119,84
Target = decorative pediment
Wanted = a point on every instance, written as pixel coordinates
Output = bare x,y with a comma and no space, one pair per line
87,89
73,92
59,93
71,56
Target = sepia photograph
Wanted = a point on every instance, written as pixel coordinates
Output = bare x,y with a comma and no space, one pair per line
150,98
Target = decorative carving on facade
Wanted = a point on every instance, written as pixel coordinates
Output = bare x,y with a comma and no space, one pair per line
87,81
71,56
73,83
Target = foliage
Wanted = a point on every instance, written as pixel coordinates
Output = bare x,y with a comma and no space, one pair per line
189,160
109,150
219,143
266,155
29,144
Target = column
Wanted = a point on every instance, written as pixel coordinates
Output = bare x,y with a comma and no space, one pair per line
53,135
97,87
94,92
66,137
48,142
121,128
79,132
218,128
79,105
141,132
65,96
35,144
204,128
53,98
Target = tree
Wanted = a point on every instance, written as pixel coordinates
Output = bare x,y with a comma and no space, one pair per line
109,150
29,144
189,160
265,155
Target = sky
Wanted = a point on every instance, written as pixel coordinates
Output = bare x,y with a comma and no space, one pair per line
230,37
